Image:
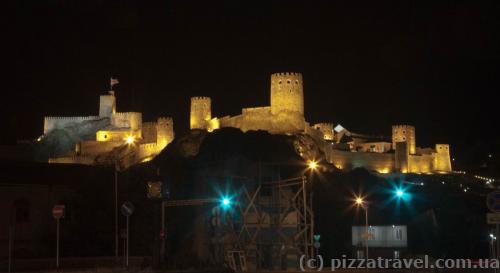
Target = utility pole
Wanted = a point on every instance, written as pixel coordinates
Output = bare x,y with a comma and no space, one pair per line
366,225
116,212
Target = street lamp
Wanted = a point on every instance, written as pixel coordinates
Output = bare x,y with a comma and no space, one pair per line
130,139
312,165
400,193
492,244
360,202
225,202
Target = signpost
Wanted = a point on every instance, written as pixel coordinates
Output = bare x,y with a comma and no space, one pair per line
493,203
58,213
127,210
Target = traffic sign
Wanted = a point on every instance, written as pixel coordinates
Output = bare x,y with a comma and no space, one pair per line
127,209
58,211
493,218
493,201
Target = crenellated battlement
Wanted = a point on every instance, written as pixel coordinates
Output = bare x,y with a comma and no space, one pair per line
200,98
324,125
401,126
148,145
126,114
165,120
286,74
326,129
72,118
50,123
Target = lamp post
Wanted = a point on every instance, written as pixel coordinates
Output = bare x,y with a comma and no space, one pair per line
129,140
361,203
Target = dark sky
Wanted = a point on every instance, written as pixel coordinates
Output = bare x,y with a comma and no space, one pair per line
366,64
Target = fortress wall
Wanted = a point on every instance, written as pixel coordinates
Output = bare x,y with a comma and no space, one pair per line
378,147
421,163
345,160
149,132
260,118
76,159
132,120
94,148
147,150
52,123
116,136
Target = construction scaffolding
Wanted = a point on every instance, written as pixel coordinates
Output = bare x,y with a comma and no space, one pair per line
277,224
268,226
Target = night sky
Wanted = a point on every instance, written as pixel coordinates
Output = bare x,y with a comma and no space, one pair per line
366,65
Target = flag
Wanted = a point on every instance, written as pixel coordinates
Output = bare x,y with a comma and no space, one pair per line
113,82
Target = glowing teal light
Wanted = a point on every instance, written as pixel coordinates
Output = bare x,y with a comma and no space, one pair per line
400,193
225,202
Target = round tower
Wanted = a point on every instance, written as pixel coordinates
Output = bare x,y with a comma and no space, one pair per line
287,93
404,133
164,131
201,112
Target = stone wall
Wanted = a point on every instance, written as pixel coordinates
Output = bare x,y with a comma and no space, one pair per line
149,132
51,123
421,163
132,120
93,148
346,160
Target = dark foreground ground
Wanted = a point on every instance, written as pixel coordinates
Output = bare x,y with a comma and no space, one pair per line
142,265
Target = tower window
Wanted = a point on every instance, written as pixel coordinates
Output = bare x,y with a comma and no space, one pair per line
279,82
296,82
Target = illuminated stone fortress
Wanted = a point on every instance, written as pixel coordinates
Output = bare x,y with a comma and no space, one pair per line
116,136
344,149
124,137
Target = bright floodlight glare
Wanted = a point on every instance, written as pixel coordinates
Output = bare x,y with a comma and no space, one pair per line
313,165
399,193
225,201
359,200
130,139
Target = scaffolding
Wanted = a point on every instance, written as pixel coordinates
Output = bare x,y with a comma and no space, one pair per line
269,227
277,224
